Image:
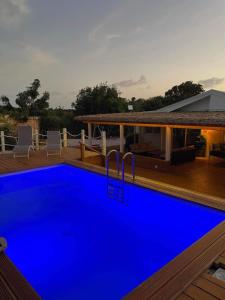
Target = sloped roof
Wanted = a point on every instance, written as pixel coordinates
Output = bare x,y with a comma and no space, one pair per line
188,101
204,119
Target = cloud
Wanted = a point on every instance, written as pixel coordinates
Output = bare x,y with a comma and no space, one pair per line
12,11
211,82
38,56
104,46
138,29
129,83
110,37
94,32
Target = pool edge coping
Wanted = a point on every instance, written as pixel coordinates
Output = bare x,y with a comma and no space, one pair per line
173,190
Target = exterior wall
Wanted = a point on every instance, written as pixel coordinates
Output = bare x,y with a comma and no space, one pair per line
152,138
217,103
155,139
201,105
212,137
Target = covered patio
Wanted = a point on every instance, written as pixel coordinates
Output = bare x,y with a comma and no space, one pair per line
170,137
183,149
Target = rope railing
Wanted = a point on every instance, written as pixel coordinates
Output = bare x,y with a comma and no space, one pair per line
39,140
97,137
73,135
10,145
11,136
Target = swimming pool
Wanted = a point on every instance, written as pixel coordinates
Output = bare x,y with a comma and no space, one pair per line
72,242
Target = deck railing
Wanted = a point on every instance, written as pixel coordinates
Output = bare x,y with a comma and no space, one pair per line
7,142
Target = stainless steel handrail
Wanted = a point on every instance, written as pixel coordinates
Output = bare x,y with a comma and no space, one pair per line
132,165
117,161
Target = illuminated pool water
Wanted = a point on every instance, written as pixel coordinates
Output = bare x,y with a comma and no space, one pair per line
72,242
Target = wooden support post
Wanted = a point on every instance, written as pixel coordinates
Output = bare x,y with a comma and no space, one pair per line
65,137
137,133
168,143
161,138
36,139
83,136
103,143
89,135
3,141
82,145
185,137
121,138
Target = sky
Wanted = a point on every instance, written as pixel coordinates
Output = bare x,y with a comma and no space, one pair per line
144,47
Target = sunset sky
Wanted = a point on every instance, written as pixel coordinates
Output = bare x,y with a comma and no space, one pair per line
144,46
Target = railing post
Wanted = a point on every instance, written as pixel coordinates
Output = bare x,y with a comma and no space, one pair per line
121,138
168,149
103,143
83,136
3,141
89,134
82,145
36,139
64,137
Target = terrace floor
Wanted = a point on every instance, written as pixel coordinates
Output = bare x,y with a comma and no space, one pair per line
187,277
201,176
37,159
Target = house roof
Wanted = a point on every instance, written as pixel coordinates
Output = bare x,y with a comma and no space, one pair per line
197,119
188,101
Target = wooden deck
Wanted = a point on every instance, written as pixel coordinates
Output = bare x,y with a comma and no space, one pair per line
37,159
13,286
187,276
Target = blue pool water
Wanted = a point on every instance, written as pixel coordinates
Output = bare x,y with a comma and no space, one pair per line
72,242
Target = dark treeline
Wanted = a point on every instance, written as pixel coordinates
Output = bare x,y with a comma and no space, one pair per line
101,98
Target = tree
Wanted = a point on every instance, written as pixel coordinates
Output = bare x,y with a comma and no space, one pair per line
153,103
138,104
99,99
176,93
184,90
6,106
29,103
58,118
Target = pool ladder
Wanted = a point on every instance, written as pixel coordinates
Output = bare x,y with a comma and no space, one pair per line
115,188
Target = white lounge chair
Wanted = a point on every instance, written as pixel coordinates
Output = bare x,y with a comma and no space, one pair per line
54,145
25,142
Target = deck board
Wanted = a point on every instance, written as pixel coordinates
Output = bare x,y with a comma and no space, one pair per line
210,287
214,280
12,284
184,297
198,294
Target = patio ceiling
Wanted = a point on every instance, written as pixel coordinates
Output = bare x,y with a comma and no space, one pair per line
210,120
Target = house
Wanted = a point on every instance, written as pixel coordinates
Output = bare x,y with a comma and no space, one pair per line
211,100
210,125
174,134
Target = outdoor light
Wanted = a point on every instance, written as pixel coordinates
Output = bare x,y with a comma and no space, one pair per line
130,107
